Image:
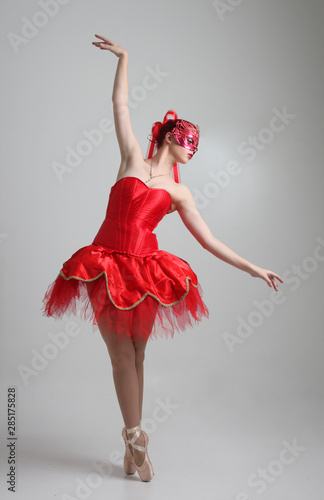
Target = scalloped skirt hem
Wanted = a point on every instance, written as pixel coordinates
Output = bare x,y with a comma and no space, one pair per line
147,320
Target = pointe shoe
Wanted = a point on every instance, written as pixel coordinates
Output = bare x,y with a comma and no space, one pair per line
145,471
129,464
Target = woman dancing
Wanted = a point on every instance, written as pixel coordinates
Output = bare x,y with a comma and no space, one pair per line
122,282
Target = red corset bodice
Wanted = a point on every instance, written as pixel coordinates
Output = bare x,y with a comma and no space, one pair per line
122,281
133,212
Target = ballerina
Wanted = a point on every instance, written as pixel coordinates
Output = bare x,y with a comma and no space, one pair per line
129,288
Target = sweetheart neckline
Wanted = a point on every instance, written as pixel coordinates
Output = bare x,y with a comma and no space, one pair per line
132,177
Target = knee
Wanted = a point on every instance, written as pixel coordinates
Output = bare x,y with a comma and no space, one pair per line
139,358
121,360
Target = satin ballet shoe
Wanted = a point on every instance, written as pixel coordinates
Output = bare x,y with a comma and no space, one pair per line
145,471
129,464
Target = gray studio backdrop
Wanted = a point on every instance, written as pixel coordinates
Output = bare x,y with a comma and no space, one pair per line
249,379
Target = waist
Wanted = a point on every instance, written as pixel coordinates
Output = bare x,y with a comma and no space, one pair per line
125,237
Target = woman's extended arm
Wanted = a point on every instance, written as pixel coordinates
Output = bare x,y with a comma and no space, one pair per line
197,226
127,141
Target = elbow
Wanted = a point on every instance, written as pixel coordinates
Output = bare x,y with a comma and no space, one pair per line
119,101
206,244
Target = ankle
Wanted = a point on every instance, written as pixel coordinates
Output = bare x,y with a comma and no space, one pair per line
139,439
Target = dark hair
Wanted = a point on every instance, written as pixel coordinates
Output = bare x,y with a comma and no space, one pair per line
167,127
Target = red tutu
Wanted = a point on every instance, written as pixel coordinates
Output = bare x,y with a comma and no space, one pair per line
122,282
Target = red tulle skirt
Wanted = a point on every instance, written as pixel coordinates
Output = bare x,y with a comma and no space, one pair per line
127,295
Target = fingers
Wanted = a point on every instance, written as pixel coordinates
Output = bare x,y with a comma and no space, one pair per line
101,45
274,275
269,277
107,44
105,39
272,278
274,284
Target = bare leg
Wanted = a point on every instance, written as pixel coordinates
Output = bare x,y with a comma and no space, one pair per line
127,357
139,365
127,363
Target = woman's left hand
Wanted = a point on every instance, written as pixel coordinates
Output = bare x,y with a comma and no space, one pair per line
266,275
107,44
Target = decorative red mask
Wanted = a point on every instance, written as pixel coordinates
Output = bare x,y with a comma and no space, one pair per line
187,135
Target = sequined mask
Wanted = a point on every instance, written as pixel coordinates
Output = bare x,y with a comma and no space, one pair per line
187,135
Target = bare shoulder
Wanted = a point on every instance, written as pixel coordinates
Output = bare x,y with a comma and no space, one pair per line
183,196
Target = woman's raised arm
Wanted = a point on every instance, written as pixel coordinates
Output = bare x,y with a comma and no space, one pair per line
127,141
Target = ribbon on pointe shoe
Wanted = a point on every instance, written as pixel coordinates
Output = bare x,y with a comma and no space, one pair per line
137,432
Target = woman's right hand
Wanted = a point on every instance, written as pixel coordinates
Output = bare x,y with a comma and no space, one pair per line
110,45
267,275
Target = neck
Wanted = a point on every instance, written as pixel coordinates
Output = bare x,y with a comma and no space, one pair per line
162,161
